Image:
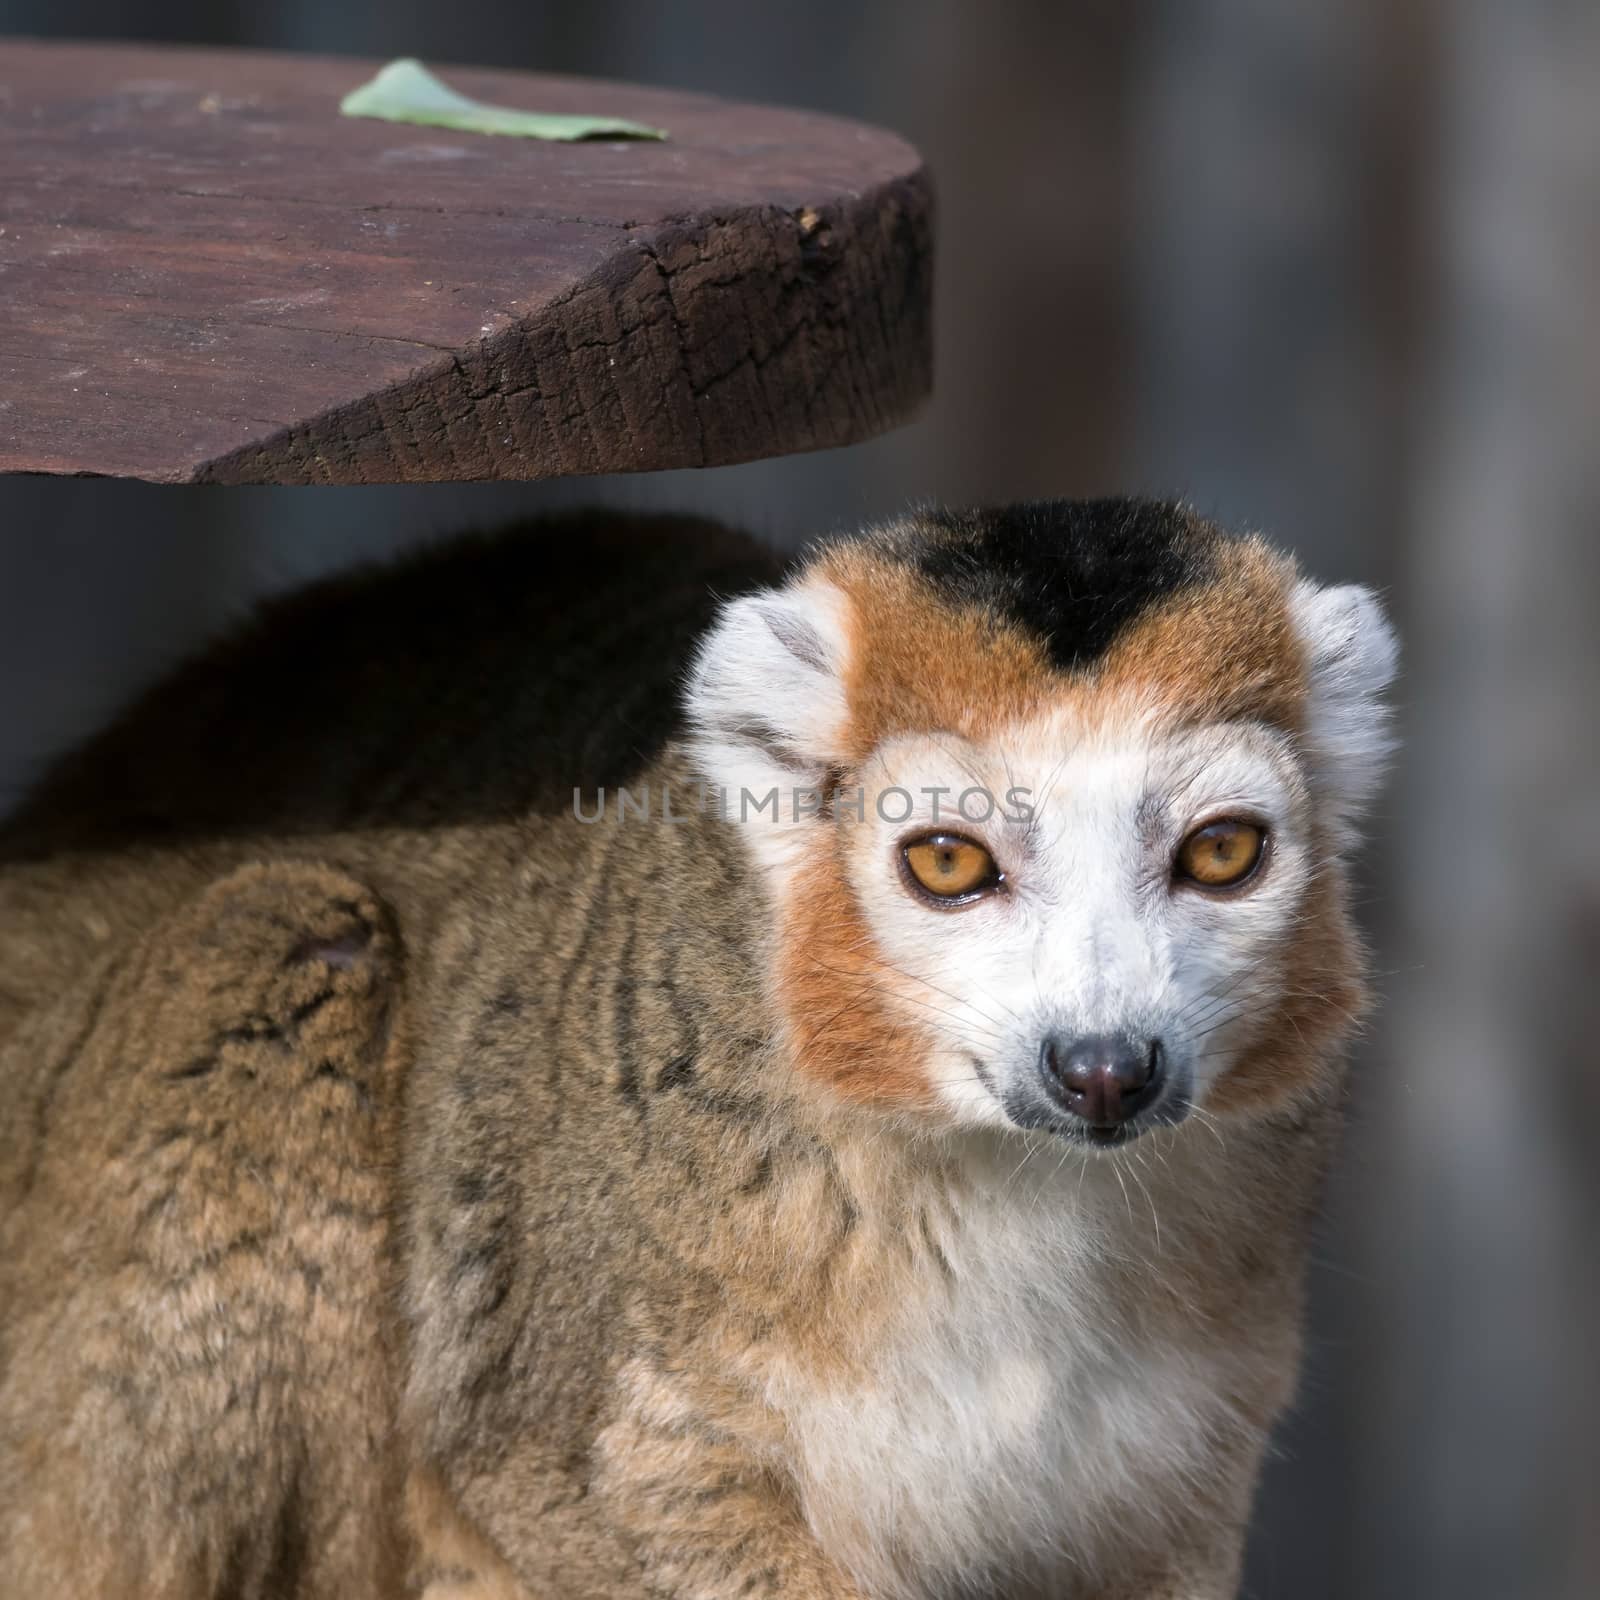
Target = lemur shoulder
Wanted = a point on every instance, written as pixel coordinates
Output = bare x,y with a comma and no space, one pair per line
872,1158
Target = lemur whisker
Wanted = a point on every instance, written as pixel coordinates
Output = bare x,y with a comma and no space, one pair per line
1210,996
1209,1122
994,1036
866,943
912,977
1127,1199
1148,1200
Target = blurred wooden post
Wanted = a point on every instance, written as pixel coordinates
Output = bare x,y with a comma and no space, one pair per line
1483,1436
1427,424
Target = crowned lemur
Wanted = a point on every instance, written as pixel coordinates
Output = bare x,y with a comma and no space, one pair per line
584,1066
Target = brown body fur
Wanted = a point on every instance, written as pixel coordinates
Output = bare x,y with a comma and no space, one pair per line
386,1204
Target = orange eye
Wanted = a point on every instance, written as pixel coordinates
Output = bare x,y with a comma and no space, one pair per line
1221,854
950,867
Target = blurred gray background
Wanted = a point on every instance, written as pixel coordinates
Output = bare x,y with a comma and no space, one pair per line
1326,267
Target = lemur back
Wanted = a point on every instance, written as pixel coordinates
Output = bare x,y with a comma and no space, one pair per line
407,713
179,924
453,1175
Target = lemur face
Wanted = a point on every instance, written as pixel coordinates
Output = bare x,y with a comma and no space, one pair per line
1089,771
1135,886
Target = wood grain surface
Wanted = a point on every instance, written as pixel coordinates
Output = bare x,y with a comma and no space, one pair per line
207,274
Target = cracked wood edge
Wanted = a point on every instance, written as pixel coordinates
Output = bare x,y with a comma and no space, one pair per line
702,343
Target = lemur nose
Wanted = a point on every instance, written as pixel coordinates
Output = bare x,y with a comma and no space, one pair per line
1103,1078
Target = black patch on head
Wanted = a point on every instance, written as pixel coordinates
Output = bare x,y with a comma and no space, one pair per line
1074,573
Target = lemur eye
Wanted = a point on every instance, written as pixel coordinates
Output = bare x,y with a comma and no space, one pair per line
950,867
1221,853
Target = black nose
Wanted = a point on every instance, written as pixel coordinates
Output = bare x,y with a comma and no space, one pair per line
1104,1078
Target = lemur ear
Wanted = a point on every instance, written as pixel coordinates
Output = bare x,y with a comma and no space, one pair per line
1351,653
766,698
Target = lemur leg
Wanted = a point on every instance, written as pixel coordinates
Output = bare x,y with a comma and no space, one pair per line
702,1539
673,1509
708,1519
195,1397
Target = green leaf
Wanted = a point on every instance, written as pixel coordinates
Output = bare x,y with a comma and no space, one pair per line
405,91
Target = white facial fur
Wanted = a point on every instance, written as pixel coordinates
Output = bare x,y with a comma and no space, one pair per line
1091,934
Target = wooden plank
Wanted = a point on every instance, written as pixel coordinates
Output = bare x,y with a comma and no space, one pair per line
207,274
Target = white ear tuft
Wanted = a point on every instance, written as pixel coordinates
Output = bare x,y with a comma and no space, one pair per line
1352,655
766,699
